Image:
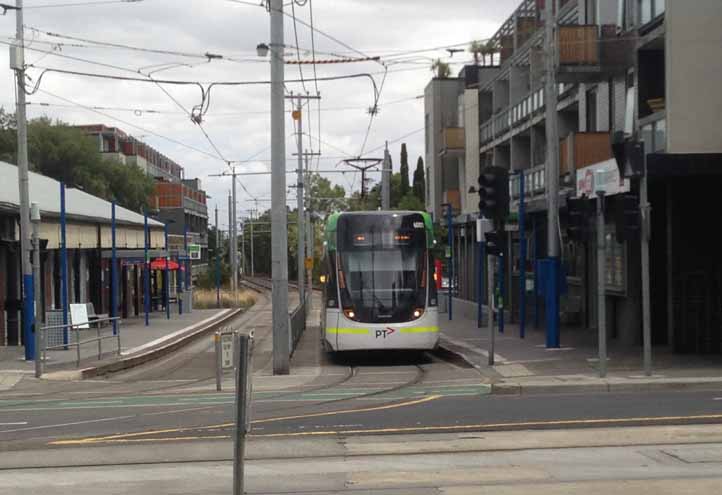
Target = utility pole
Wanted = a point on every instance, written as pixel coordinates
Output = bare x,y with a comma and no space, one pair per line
386,180
230,223
309,232
253,263
601,285
552,179
301,249
279,232
646,213
17,63
218,262
234,238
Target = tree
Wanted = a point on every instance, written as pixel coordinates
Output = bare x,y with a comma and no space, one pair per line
419,186
411,202
476,48
442,69
404,186
325,197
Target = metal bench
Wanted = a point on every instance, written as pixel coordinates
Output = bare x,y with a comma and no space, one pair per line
93,317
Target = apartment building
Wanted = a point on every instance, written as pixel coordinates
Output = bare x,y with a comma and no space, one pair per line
650,68
177,201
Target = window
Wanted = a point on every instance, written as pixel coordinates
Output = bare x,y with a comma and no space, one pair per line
592,110
649,10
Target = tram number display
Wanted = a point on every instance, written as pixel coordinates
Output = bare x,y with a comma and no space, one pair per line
384,333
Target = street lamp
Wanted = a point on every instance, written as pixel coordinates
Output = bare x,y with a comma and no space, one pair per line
262,50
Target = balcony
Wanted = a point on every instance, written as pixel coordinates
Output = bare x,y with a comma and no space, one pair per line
588,53
453,141
583,149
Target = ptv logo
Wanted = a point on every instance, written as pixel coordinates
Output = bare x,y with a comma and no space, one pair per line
384,333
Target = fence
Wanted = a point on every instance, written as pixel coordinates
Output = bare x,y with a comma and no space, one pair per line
54,334
297,322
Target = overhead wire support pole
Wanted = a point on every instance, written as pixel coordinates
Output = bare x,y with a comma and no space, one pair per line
301,249
17,62
234,238
279,235
551,284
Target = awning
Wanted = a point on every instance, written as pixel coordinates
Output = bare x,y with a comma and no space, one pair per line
159,264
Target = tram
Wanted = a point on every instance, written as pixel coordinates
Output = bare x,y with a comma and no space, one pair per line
378,278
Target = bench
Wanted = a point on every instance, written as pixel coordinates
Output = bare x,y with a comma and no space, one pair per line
93,317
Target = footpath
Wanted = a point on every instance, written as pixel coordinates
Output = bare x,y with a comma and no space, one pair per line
526,366
138,344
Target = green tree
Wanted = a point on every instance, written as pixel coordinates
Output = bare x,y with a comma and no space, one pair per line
404,171
419,186
325,197
441,68
411,202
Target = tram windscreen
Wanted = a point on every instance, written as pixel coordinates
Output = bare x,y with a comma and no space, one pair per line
383,259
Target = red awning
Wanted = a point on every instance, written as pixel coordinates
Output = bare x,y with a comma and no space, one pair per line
159,264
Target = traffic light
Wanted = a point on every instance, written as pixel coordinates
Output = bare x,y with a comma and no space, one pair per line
494,243
494,193
628,219
577,216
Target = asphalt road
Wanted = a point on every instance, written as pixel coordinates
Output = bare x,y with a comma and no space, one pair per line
175,400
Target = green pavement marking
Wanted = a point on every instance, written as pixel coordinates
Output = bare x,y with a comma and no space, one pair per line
141,401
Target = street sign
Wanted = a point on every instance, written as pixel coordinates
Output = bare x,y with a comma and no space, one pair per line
226,350
194,251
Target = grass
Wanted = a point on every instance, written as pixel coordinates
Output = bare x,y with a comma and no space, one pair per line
206,299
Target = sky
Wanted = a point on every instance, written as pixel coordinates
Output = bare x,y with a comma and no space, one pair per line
66,35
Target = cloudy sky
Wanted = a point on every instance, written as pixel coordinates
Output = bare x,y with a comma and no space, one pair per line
64,34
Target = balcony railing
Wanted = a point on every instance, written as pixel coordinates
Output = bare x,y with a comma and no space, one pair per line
583,149
579,45
593,53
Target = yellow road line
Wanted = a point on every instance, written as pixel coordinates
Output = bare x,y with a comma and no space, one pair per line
126,436
528,424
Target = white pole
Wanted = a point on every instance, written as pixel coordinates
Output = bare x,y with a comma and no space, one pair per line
279,232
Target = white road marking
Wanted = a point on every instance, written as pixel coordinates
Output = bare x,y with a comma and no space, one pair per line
75,423
21,423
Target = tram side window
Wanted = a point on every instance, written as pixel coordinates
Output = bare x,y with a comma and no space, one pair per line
330,287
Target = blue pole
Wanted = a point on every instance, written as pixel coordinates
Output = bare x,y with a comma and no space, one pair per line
480,284
166,275
146,270
501,292
450,227
551,291
522,256
63,265
113,271
536,274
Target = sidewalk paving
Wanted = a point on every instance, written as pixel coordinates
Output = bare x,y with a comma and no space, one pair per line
527,366
136,340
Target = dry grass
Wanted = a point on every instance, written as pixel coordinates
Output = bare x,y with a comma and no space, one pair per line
206,299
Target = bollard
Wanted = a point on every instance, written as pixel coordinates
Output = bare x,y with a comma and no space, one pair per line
242,418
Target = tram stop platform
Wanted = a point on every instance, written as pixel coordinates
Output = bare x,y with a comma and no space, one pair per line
527,366
138,343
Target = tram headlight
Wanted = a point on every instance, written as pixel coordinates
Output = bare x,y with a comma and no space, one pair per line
350,313
418,313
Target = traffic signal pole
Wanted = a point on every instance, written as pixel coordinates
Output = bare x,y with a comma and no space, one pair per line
601,286
646,212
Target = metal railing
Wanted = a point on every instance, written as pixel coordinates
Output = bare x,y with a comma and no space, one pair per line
297,323
84,327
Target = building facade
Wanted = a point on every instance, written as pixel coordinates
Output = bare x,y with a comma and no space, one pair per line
645,68
179,202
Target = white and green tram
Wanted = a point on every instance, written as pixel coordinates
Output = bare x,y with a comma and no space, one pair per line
379,289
